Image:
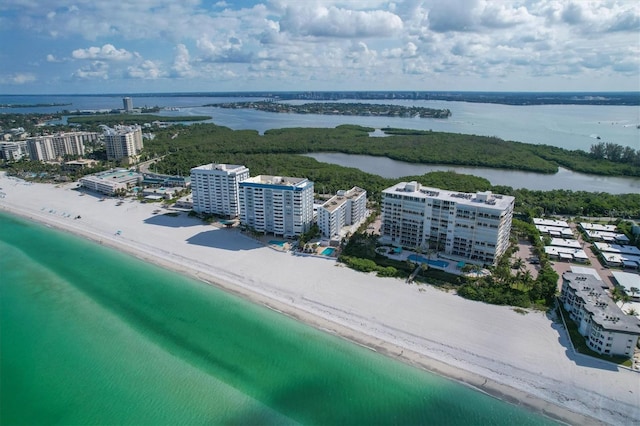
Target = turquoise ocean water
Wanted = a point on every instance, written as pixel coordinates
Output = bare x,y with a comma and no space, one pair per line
92,336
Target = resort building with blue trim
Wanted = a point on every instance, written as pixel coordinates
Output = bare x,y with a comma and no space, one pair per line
278,205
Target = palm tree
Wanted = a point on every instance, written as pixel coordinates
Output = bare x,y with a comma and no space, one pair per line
518,263
625,299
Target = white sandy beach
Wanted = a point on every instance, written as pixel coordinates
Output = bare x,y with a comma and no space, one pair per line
526,359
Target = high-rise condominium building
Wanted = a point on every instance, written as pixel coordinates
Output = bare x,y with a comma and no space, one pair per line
127,103
215,188
52,147
472,227
275,204
123,142
344,209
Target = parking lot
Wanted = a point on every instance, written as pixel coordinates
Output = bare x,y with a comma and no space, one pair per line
525,252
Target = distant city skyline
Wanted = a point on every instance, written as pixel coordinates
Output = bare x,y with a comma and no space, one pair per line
63,46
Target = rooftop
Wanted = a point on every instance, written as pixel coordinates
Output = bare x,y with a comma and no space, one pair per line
587,226
220,166
627,280
342,197
550,222
486,198
597,302
119,129
277,180
114,175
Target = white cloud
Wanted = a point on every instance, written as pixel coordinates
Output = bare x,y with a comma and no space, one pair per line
147,70
320,21
289,42
94,70
182,62
106,52
228,50
18,78
360,55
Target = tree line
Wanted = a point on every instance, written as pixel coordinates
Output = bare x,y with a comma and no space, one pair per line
276,153
423,147
615,153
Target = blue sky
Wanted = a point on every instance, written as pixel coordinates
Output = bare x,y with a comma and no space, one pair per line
106,46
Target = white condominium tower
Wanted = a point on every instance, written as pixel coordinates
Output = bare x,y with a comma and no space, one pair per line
472,227
215,188
343,209
275,204
50,147
127,103
123,142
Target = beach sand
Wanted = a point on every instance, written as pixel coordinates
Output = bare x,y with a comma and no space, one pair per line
525,359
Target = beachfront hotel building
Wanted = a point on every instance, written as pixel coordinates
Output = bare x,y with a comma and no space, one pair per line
215,188
123,142
59,145
462,226
346,208
111,181
13,151
278,205
607,330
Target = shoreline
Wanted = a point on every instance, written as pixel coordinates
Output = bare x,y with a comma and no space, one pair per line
342,323
481,384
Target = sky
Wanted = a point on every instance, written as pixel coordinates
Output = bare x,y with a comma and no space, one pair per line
138,46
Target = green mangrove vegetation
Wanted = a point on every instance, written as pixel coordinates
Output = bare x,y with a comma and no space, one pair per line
276,153
335,108
424,147
111,119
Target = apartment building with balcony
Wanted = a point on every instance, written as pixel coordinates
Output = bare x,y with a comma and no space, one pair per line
215,188
346,208
277,205
606,328
123,142
463,226
13,151
59,145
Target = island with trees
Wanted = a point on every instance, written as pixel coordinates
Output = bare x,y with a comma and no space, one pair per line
111,119
38,105
336,108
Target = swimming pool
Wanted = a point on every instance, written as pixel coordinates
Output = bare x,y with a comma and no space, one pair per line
277,243
437,263
328,251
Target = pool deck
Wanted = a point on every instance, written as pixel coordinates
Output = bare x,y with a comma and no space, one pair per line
452,267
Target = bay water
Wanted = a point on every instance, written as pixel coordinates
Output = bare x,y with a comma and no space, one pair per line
90,335
565,126
564,179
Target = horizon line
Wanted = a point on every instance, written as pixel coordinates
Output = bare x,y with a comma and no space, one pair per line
265,92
